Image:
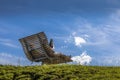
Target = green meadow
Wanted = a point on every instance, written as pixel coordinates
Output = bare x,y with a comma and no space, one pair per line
59,72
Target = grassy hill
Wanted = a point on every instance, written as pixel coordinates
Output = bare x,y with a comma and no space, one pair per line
59,72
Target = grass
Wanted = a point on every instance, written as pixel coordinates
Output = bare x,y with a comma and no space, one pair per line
59,72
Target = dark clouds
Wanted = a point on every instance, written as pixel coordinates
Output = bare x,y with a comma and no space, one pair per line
58,6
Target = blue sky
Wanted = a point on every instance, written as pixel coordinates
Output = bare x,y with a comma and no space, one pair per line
76,26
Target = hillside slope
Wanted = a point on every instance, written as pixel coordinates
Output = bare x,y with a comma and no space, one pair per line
59,72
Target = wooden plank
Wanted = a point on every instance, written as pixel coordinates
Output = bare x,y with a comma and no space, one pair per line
25,49
34,39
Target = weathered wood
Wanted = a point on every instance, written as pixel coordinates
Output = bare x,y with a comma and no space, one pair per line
37,48
37,53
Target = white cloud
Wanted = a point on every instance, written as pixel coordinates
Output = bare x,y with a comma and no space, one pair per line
78,41
8,42
83,59
115,16
107,60
9,59
102,39
6,58
9,45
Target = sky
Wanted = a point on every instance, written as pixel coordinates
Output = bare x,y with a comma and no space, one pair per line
88,29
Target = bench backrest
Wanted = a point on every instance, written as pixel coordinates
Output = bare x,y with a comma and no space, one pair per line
36,41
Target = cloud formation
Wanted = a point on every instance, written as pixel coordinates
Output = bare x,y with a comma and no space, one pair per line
87,21
8,42
9,59
79,41
83,59
102,39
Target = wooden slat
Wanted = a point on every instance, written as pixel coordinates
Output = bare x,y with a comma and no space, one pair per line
34,39
25,50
